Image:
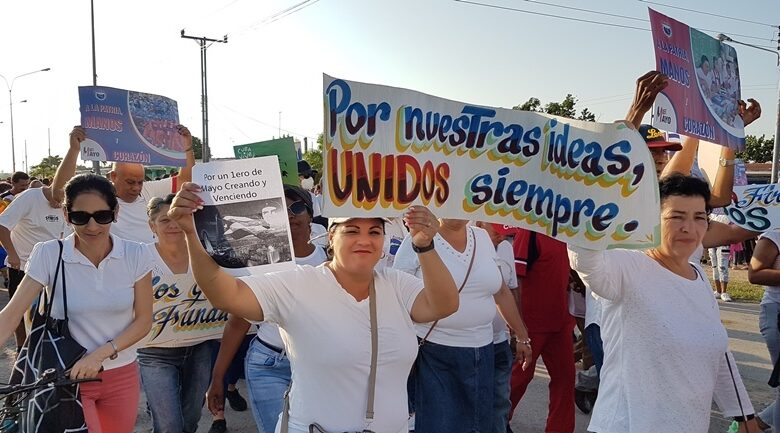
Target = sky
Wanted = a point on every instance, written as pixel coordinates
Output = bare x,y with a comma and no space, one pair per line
269,74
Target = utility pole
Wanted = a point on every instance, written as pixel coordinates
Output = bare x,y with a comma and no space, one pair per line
95,164
204,88
48,132
26,167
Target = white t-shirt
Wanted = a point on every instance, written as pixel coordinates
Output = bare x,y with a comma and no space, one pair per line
505,258
319,235
100,299
664,346
772,293
592,308
269,332
472,324
327,334
132,221
31,220
395,232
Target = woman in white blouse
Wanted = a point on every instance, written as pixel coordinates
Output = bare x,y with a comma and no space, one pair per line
665,350
109,301
323,317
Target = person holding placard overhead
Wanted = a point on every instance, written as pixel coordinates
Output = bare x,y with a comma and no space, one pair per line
348,330
132,190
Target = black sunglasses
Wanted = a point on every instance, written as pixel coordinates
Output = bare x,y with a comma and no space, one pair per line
297,208
79,218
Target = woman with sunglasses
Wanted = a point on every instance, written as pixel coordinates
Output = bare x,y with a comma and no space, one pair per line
267,367
109,301
323,314
174,378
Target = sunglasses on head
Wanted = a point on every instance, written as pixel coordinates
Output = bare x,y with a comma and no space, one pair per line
79,218
297,208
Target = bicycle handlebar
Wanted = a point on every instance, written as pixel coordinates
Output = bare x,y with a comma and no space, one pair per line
50,377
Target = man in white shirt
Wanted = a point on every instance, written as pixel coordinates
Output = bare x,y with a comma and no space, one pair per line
20,181
131,189
32,217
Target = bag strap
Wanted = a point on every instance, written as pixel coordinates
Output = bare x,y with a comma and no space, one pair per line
374,353
48,302
460,289
736,390
284,428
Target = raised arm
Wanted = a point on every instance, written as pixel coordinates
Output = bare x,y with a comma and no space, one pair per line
647,88
682,160
67,167
185,175
591,265
762,265
224,291
439,297
719,234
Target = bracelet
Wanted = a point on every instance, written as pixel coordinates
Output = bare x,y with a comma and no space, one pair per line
420,250
187,149
526,342
116,352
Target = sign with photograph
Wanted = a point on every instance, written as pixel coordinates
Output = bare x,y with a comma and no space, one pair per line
702,97
586,183
243,224
127,126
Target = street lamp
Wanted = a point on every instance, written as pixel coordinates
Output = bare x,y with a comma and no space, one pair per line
776,149
11,105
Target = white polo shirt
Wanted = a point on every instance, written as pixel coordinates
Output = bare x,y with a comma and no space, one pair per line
31,220
100,299
132,223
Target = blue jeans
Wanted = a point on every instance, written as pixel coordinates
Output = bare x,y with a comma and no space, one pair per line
503,371
454,389
767,322
175,380
268,375
595,345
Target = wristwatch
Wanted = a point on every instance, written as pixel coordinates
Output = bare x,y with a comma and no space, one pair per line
727,162
420,250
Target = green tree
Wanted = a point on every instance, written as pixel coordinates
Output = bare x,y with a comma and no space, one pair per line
46,168
314,158
565,108
757,149
197,147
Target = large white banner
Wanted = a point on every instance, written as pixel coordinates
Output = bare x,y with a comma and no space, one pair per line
755,207
385,148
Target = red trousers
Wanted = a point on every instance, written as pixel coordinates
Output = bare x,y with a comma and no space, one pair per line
557,352
111,406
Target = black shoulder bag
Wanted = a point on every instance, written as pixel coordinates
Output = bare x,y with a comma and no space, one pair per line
49,346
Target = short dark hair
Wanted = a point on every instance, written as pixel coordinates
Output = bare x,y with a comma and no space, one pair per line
90,183
19,175
703,59
677,184
153,207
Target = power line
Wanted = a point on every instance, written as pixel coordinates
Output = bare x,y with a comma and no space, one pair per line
279,15
550,15
268,124
585,10
593,21
774,26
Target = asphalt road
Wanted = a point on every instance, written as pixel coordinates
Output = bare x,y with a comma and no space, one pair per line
741,321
